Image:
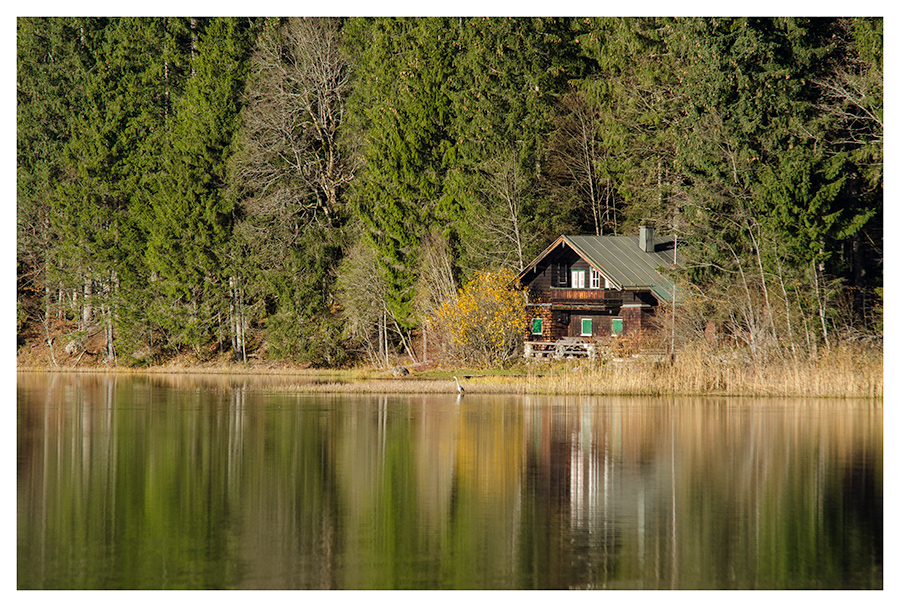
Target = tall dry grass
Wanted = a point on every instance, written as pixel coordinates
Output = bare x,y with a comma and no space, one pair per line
846,371
843,372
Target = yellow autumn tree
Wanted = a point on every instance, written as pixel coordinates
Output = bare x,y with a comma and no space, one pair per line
485,323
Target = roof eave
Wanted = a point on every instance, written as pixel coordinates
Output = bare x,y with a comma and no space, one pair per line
661,292
540,257
618,286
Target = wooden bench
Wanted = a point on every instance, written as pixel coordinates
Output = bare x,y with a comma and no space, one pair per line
567,347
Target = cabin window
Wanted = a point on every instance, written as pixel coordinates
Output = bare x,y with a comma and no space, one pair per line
618,325
577,279
587,327
595,279
537,326
562,275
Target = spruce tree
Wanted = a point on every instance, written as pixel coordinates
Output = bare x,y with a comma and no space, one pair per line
190,215
509,74
621,119
402,105
109,157
53,58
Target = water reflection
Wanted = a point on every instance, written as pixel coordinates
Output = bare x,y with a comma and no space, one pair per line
136,482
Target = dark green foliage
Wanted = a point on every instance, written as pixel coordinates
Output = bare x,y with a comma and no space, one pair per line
627,109
508,75
196,183
50,58
302,324
755,129
189,223
402,104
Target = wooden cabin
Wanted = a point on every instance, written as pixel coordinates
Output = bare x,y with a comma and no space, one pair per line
583,289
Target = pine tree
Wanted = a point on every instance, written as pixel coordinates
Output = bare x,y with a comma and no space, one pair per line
623,116
402,106
190,218
53,57
769,180
508,75
108,157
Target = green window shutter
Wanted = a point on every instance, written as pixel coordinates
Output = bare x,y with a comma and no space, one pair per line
587,326
537,326
618,325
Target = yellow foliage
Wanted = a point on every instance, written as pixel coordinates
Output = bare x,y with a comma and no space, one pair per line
486,321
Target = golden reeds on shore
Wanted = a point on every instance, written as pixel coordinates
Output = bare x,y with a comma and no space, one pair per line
842,372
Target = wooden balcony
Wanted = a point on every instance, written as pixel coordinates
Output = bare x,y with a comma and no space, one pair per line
599,299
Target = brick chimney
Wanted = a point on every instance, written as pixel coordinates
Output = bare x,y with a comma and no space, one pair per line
645,239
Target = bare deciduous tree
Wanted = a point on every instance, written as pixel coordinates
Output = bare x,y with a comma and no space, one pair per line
437,282
362,293
291,164
502,225
577,149
289,173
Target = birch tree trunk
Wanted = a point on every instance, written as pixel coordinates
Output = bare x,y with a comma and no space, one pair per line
87,310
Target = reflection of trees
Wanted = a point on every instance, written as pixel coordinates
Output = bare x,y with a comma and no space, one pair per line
758,483
701,494
118,489
487,507
128,482
62,474
416,480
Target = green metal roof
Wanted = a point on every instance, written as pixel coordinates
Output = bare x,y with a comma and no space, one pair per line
621,260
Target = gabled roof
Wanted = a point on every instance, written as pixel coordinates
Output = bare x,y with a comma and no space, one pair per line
621,260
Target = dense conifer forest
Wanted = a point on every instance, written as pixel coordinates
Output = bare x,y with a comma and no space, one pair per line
311,190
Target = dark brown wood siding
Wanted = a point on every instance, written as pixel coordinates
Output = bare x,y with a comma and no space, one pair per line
635,322
546,316
564,307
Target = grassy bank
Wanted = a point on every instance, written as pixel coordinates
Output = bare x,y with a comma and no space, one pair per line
844,372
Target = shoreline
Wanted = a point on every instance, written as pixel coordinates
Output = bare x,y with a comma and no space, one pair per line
841,374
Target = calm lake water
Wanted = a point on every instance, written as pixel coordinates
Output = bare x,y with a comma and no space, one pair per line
184,482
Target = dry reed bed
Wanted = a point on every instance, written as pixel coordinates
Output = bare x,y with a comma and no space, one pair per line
844,372
839,374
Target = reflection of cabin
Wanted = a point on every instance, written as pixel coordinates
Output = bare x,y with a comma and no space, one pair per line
584,288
